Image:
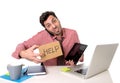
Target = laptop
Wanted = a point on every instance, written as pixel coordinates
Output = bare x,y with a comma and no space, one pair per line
101,60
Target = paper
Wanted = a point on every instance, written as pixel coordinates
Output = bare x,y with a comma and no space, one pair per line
51,50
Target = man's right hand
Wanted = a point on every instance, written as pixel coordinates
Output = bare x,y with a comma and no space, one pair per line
30,55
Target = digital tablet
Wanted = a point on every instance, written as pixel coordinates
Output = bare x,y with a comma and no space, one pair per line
76,52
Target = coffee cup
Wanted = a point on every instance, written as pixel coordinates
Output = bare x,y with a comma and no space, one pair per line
15,71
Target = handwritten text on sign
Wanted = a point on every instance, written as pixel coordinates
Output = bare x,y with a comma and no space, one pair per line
51,50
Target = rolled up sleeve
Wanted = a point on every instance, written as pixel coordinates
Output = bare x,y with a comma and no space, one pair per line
17,51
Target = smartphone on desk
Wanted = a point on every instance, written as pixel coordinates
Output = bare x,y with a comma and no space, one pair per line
76,52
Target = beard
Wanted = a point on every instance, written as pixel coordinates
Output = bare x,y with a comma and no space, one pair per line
55,32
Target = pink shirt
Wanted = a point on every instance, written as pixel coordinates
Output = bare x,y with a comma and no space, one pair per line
43,37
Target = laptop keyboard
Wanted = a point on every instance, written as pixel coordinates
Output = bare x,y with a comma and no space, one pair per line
82,71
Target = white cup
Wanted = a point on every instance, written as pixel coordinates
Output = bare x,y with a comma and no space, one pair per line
15,71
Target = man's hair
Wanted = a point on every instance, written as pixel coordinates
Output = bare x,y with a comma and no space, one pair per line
45,15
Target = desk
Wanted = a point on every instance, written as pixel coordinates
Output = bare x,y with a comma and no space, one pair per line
55,75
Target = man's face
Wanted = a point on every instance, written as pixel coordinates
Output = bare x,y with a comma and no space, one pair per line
53,25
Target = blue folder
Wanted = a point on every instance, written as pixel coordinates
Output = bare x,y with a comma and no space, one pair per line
23,77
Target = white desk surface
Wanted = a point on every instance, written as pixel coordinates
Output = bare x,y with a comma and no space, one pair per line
55,75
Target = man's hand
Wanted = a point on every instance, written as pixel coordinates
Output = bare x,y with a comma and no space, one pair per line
81,58
70,62
30,55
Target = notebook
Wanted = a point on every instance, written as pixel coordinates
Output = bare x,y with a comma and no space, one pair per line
100,62
36,70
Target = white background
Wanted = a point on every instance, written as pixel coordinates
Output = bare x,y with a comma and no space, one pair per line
96,21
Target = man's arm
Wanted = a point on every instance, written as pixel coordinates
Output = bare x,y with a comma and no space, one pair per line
28,54
19,48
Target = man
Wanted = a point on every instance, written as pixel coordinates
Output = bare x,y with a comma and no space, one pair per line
53,32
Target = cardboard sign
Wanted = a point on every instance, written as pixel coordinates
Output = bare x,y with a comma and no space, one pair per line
51,50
